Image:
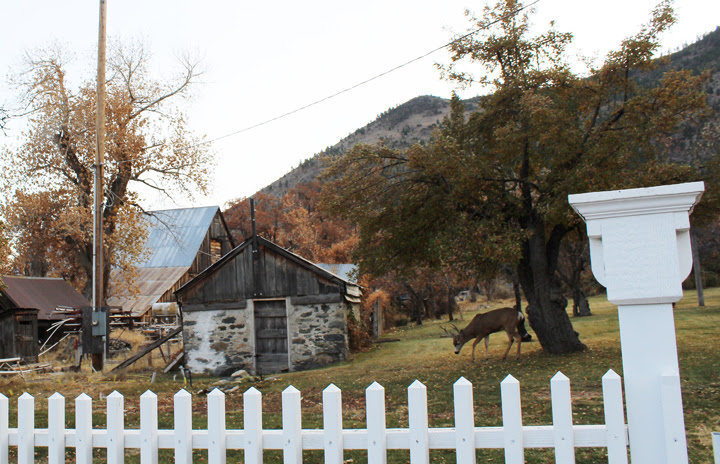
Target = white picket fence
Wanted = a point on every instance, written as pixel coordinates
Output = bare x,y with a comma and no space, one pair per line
418,438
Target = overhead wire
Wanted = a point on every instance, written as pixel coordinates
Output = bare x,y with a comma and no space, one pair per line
348,89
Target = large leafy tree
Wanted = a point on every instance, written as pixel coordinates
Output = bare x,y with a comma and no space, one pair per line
48,180
492,186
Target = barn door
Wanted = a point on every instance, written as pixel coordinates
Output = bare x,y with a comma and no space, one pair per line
271,332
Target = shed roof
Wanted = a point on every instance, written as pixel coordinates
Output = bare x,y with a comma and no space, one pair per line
176,235
152,283
42,293
344,271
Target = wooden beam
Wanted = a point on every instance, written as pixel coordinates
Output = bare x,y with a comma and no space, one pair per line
147,350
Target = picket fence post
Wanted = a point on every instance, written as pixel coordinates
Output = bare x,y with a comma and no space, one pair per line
26,429
148,428
376,425
4,429
217,445
292,426
716,446
640,252
464,422
614,418
83,429
115,405
512,420
418,423
182,416
56,429
252,409
562,419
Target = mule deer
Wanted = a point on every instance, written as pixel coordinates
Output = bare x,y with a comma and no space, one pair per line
510,320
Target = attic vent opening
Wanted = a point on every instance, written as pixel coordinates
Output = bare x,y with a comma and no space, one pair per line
215,250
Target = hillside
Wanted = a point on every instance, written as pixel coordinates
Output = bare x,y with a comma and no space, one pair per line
414,121
399,127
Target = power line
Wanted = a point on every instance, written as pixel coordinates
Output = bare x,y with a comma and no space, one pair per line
353,87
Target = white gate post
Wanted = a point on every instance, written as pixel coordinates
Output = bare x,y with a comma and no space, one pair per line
640,252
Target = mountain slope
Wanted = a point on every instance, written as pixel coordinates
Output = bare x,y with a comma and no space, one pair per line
414,121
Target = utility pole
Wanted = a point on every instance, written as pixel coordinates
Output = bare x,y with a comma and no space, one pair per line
97,358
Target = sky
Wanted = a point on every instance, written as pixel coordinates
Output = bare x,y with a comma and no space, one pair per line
264,59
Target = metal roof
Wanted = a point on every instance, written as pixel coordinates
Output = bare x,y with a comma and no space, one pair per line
42,293
176,235
346,272
152,284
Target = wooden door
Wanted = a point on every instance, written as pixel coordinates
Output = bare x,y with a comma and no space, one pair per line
26,338
271,332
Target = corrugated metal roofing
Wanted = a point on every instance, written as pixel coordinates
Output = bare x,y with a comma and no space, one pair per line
43,293
345,271
176,235
152,284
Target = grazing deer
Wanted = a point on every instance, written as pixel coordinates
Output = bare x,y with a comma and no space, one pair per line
510,320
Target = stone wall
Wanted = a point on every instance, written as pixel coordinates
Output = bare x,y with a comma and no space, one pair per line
218,342
318,335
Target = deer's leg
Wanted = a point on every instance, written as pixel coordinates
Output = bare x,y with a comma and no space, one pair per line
473,348
511,339
519,343
487,342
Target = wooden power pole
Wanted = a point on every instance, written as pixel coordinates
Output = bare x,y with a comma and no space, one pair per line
97,358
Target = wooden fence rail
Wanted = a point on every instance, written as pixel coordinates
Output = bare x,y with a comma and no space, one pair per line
465,438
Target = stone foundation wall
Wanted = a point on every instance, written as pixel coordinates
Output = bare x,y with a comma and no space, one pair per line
218,341
318,335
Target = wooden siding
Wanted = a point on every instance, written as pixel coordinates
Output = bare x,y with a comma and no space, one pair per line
278,277
204,257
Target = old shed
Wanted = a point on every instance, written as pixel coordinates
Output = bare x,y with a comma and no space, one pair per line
27,309
264,309
181,243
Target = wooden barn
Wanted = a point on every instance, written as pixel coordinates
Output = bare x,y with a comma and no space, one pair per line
181,243
264,309
28,306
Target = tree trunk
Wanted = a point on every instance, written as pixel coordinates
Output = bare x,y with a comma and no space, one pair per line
546,304
581,306
516,290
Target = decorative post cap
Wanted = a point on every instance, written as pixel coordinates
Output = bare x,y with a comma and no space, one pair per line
640,240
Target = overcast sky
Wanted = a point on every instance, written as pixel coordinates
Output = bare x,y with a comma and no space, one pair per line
264,59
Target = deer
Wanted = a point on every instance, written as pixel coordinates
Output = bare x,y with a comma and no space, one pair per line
482,325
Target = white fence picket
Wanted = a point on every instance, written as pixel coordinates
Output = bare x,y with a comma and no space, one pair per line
617,439
252,409
4,428
716,446
332,425
56,429
115,404
464,422
562,419
418,423
26,429
83,429
418,438
148,428
217,445
376,425
182,416
512,420
292,426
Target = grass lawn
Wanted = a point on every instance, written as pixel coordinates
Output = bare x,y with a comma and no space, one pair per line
421,353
